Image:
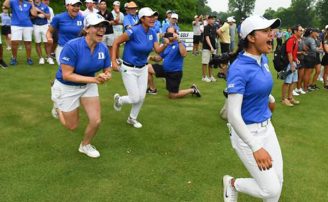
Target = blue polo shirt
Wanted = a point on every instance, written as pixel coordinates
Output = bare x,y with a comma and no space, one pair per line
68,28
20,13
77,54
41,21
130,20
173,61
167,25
254,82
139,45
157,26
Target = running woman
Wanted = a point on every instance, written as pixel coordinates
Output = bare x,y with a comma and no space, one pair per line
140,40
69,25
76,82
252,134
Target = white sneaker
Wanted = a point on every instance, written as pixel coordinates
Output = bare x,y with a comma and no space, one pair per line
301,91
54,112
41,61
89,150
295,93
206,79
117,105
212,79
230,194
134,122
50,61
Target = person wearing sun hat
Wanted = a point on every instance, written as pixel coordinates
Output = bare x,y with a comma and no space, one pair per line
68,24
252,134
77,83
140,41
131,18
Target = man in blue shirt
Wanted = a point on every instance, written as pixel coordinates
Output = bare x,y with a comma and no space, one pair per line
131,18
40,27
69,25
173,23
172,67
21,26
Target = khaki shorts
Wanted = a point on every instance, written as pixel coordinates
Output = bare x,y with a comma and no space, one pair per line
206,56
67,98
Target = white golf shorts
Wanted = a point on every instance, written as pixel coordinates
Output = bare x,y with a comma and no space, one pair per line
21,33
40,32
67,98
108,39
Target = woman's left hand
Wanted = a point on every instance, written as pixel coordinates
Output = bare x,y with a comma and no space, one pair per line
103,77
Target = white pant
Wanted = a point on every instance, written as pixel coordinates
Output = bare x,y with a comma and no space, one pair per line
135,82
266,185
57,52
21,33
40,33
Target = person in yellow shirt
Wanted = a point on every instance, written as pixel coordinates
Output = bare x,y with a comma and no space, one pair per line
224,39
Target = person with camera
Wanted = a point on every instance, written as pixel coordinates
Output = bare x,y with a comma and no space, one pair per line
252,134
288,86
172,67
21,27
77,83
139,41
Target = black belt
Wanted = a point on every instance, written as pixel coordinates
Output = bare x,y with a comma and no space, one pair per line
133,66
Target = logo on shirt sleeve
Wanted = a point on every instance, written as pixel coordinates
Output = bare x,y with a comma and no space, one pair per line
66,59
101,56
231,85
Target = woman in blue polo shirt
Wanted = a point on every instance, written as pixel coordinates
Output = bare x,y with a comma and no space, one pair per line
140,41
172,67
68,24
21,26
253,137
76,82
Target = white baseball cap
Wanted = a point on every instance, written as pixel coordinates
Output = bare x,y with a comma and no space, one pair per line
72,2
88,1
116,3
231,19
175,16
146,11
257,22
326,27
93,19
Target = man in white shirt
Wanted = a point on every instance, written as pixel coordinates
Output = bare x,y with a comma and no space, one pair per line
90,8
118,19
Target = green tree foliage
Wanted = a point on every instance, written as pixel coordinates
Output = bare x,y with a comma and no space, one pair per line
241,8
322,9
269,13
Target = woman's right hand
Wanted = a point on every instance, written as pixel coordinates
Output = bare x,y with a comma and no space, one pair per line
263,159
115,66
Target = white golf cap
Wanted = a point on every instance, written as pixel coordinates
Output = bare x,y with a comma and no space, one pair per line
146,11
175,16
326,27
72,2
231,19
257,22
93,19
116,3
88,1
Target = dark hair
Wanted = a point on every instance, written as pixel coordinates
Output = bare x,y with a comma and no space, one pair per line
307,32
175,30
295,28
243,43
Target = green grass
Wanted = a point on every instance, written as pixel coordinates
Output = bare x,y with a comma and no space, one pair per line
180,154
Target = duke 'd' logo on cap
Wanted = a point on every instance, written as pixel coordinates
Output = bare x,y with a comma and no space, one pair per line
150,37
